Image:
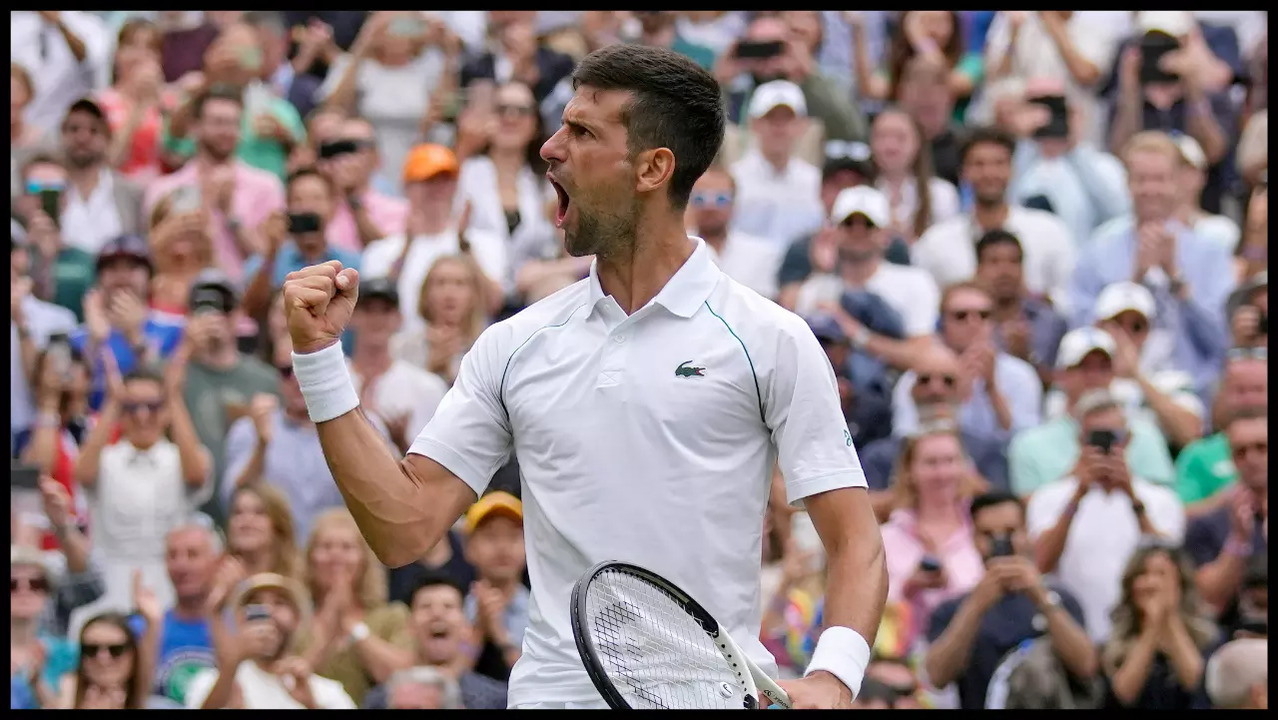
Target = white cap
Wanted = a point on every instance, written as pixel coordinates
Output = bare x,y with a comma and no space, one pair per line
862,199
1122,296
1078,343
774,94
1176,23
1191,150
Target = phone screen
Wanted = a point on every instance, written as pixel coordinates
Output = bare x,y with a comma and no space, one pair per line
1102,439
1058,125
51,203
748,49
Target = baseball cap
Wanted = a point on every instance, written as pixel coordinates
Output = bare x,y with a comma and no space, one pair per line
1172,22
861,199
29,556
824,327
495,502
274,581
130,246
851,155
775,94
426,161
1077,344
380,287
1191,151
1122,296
214,287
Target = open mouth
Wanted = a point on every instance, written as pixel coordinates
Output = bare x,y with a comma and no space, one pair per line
561,211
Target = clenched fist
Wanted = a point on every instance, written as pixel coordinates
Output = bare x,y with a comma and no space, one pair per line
318,302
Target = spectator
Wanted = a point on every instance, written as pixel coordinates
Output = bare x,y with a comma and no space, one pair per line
1248,309
423,688
136,100
515,55
295,239
1012,603
1086,524
141,485
221,381
257,668
40,662
450,304
260,531
1001,395
657,28
363,214
925,94
934,34
356,638
69,51
237,195
916,198
1025,327
1192,176
866,404
778,190
100,203
182,247
81,580
116,665
948,249
497,604
931,557
447,560
1237,676
1045,453
750,260
26,140
896,677
323,125
1153,659
315,48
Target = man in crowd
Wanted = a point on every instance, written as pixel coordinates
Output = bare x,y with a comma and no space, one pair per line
751,261
1191,177
1042,454
100,204
422,688
362,214
497,604
1025,326
1237,675
1087,524
971,635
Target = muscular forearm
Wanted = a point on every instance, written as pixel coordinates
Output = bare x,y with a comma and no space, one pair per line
948,656
857,580
1129,680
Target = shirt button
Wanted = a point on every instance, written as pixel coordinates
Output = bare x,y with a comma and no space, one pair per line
618,339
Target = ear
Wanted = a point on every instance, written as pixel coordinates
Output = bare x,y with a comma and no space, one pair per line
654,169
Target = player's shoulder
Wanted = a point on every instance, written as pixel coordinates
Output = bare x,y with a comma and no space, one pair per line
554,310
755,319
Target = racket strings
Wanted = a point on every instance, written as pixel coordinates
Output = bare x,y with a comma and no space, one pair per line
655,653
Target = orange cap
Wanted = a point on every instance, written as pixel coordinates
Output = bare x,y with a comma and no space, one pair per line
494,502
426,161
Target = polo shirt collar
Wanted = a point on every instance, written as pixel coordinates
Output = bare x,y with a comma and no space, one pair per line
684,292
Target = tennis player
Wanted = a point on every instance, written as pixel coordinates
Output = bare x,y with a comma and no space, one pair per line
646,405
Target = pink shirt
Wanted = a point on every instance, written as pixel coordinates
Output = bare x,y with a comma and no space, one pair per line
387,213
256,195
905,549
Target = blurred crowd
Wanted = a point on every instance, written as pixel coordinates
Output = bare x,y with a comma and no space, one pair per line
1034,245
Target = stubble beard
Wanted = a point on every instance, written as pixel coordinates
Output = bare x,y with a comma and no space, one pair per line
604,234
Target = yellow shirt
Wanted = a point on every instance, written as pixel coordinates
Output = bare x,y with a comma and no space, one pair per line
390,623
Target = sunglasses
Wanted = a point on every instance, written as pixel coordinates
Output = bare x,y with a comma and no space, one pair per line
137,407
286,371
94,650
963,315
847,150
520,110
947,380
1245,353
37,584
722,199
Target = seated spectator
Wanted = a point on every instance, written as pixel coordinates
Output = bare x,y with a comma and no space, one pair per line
363,213
1000,394
356,639
1042,454
934,34
866,404
422,688
116,665
971,635
1086,524
1153,659
1188,274
925,94
1237,676
257,667
917,199
1248,310
450,307
441,638
515,55
99,203
404,395
948,249
1206,467
931,557
181,248
260,531
497,605
40,663
1191,177
751,261
1025,327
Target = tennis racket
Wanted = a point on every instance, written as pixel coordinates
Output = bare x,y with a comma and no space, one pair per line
648,645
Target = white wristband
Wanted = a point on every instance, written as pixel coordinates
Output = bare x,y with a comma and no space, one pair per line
326,383
842,652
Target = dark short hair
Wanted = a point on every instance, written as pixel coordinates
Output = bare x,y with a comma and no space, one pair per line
997,237
435,578
148,374
993,498
217,92
676,105
309,172
986,135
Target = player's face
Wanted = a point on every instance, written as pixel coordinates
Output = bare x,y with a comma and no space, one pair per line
593,174
496,548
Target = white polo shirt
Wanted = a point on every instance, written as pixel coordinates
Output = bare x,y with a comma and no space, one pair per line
647,438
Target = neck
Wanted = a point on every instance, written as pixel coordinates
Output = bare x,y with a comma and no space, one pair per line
191,608
205,161
22,632
1006,308
664,37
895,178
256,561
312,253
428,219
371,358
859,272
778,160
937,507
84,179
990,215
661,247
1188,213
222,357
715,238
508,160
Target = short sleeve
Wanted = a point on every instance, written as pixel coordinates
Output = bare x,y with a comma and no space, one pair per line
801,408
391,624
795,265
1043,511
922,313
941,618
470,433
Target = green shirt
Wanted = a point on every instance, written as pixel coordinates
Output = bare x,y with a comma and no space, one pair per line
74,272
1204,468
699,54
1048,452
262,153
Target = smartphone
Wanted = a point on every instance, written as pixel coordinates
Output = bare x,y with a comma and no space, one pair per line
1102,439
59,353
1058,125
1002,547
1153,46
334,148
24,477
51,202
930,564
205,300
186,199
254,613
306,222
1262,323
759,50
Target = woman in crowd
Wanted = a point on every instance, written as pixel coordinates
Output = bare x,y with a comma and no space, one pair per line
260,531
135,103
931,554
40,665
917,199
181,246
1154,657
935,34
451,303
116,667
356,637
1252,253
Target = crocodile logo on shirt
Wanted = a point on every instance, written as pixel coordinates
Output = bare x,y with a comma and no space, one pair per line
684,370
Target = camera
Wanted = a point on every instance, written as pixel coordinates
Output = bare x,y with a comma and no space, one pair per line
306,222
1058,126
1104,440
207,300
759,50
255,613
1002,546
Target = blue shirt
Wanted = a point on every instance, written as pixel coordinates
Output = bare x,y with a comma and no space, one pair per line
162,331
1086,187
1017,382
289,259
186,648
61,657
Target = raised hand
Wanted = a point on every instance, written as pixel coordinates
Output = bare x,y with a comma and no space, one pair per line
95,317
145,601
262,409
297,679
57,502
229,575
318,302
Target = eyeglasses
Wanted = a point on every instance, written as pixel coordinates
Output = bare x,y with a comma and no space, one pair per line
94,649
722,199
947,380
137,407
963,315
1248,353
36,584
286,371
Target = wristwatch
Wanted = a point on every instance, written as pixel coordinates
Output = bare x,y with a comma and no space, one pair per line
861,337
359,632
1052,600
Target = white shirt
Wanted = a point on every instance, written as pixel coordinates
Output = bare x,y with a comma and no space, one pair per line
948,251
1102,537
405,388
477,183
942,195
777,206
89,223
751,261
908,290
59,80
264,691
44,320
623,458
380,255
1219,229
